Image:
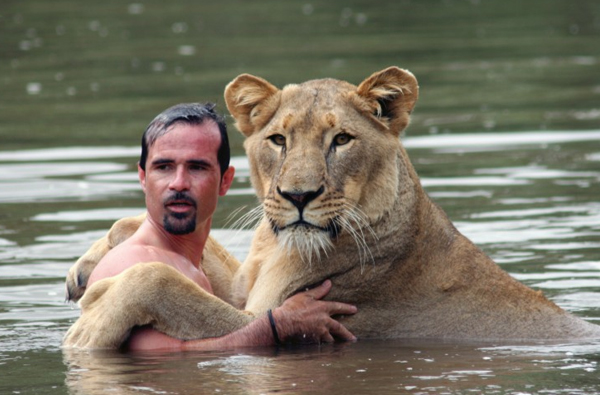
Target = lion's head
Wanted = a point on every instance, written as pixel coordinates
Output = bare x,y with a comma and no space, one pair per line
323,154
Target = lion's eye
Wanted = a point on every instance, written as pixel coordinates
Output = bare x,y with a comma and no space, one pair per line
342,139
278,139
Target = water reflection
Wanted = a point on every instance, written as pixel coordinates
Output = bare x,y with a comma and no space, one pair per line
390,366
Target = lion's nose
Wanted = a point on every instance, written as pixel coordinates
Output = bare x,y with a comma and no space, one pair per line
300,199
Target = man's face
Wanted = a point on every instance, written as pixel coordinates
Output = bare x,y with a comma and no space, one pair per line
182,180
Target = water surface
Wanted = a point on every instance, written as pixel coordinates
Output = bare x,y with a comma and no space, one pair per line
505,137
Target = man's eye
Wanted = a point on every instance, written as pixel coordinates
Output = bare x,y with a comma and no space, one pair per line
342,139
278,139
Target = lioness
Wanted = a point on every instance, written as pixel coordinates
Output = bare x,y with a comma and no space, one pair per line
342,201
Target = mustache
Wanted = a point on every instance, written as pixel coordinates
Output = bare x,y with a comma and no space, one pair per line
179,197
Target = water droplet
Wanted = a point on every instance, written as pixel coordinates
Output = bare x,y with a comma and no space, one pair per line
94,25
25,45
574,29
187,50
135,8
179,27
158,66
361,18
308,9
34,88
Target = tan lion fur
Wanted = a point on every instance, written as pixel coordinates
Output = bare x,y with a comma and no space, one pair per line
368,224
113,306
399,259
151,293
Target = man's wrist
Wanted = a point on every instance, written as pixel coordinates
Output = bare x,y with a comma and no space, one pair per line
273,327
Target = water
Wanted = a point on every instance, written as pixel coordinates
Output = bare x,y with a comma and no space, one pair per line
538,216
505,137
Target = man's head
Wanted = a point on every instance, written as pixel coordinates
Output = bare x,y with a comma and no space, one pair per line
188,113
184,167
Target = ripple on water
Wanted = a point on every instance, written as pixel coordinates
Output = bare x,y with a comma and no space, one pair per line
69,153
485,142
53,169
106,214
38,191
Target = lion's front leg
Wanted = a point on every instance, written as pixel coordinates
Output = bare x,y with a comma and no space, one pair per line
263,248
80,272
103,323
150,294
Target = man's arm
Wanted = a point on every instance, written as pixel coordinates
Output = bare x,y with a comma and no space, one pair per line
156,294
303,318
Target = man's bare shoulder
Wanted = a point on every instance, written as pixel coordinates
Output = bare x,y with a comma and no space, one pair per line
124,256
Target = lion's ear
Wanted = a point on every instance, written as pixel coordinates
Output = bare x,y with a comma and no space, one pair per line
252,101
391,95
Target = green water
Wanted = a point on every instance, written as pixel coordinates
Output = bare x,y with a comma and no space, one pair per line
506,137
97,72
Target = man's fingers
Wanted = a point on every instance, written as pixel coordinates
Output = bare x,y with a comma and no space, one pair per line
336,308
339,331
320,291
327,338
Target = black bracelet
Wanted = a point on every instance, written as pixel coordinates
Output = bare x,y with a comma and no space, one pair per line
273,327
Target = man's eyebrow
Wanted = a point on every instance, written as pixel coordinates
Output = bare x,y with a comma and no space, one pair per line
199,162
196,162
162,161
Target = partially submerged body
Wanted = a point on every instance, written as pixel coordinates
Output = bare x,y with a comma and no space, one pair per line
182,177
343,201
136,251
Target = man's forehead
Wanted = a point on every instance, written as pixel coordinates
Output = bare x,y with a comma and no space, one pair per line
205,131
189,137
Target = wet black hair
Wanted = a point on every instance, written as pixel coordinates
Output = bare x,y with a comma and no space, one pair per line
190,113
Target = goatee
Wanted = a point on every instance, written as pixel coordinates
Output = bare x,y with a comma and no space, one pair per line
180,223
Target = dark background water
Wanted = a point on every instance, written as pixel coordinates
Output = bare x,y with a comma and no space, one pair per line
505,136
94,73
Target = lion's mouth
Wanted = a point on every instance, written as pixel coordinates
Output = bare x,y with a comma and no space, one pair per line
332,228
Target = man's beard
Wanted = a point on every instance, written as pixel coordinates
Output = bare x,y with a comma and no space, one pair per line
180,223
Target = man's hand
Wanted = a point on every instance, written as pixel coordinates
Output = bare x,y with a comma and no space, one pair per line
304,318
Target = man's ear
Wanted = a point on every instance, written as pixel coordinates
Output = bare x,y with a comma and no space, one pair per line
142,177
226,180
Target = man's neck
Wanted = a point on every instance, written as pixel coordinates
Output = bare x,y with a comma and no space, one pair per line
190,245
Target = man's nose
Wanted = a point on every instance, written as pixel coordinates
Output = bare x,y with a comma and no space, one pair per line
181,181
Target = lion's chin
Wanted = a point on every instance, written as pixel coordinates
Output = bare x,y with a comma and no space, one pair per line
308,242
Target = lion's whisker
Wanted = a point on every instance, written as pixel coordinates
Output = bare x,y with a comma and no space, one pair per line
358,237
309,245
233,214
353,215
363,220
250,220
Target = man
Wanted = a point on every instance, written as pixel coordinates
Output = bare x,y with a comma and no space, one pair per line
183,169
